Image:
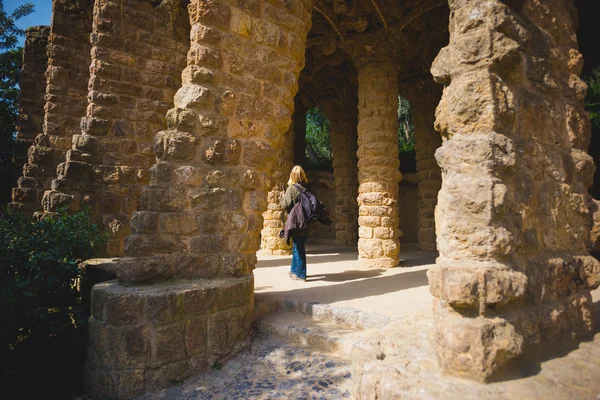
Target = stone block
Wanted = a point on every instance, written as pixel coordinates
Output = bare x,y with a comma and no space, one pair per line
236,293
195,336
143,269
167,344
477,348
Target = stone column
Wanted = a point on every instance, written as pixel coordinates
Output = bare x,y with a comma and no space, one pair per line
184,295
513,274
32,88
343,125
270,242
138,53
424,95
67,77
378,166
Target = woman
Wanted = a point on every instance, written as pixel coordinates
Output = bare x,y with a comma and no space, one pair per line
289,199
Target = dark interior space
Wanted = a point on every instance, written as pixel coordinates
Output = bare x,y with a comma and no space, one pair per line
587,34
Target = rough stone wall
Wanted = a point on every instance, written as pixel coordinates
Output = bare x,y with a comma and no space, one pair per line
378,166
67,77
274,217
32,88
343,136
424,95
322,184
197,229
138,53
408,208
514,273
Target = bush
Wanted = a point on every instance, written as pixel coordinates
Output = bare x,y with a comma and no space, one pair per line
43,322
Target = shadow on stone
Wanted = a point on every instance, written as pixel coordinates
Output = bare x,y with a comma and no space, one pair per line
345,276
359,289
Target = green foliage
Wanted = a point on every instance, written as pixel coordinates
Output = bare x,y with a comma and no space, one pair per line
318,142
42,319
406,129
10,74
592,101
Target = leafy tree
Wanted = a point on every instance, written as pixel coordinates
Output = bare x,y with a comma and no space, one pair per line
10,73
42,318
592,103
318,142
406,129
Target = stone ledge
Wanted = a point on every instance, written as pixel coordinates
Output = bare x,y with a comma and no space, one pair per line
148,337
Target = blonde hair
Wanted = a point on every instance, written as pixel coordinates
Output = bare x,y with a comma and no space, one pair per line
297,175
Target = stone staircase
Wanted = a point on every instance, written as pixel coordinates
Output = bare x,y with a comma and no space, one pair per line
319,327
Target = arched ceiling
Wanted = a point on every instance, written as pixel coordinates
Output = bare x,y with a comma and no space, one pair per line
348,33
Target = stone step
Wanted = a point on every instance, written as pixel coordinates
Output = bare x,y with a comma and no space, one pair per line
265,305
302,330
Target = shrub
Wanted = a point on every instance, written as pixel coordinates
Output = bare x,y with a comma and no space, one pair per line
43,322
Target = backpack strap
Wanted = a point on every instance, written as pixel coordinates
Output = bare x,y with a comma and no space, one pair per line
300,187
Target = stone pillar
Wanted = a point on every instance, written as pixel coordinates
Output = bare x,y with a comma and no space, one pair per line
378,166
424,95
67,77
343,136
513,274
270,242
138,53
184,295
299,131
32,89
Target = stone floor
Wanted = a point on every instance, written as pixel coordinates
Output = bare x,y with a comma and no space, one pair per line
334,277
274,369
270,369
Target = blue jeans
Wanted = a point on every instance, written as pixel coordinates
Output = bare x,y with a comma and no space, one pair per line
299,256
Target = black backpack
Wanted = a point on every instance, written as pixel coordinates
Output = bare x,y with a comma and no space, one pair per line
312,206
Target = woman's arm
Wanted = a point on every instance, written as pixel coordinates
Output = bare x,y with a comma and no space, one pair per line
289,198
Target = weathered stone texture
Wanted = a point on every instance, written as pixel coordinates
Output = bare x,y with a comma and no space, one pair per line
67,77
408,208
513,271
378,166
343,136
199,218
138,52
146,338
274,217
322,184
32,88
424,95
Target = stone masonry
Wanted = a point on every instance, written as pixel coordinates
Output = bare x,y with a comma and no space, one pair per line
196,233
67,78
343,125
32,83
138,52
423,96
514,273
378,166
270,242
171,120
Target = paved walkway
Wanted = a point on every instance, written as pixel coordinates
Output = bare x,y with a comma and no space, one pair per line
270,369
334,277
